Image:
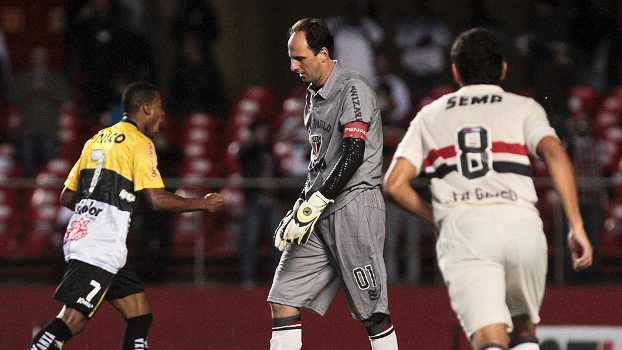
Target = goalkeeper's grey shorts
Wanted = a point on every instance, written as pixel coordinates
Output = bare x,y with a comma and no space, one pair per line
345,249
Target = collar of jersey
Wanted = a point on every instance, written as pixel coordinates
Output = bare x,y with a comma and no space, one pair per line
127,120
325,90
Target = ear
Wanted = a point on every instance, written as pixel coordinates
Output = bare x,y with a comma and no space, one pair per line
456,74
324,54
146,108
504,70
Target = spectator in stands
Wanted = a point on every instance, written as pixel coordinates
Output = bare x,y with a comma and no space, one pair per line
583,148
394,96
422,38
195,29
105,47
357,36
597,40
193,87
38,92
262,210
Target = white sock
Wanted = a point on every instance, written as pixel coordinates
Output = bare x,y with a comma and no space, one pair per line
386,340
526,346
288,339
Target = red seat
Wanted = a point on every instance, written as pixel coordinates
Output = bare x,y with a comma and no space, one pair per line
583,99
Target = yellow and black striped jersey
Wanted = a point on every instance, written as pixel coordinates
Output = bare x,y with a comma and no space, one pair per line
114,164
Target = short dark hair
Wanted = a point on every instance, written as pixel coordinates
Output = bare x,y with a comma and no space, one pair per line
317,33
478,56
135,95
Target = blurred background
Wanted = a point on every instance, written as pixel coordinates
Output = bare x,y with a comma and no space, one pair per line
234,125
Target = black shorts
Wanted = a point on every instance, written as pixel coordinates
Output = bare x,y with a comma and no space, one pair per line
85,286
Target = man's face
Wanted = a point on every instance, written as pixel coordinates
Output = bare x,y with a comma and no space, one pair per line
156,116
302,60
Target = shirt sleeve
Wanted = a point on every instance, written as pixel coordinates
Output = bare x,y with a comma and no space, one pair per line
536,126
359,102
146,173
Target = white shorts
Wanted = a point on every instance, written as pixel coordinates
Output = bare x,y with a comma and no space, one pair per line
494,262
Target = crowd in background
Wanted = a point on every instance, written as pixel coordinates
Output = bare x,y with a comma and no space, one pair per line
569,48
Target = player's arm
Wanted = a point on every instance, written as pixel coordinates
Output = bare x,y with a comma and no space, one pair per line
397,185
353,143
68,198
562,174
161,199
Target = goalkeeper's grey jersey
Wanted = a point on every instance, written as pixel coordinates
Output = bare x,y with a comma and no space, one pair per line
346,97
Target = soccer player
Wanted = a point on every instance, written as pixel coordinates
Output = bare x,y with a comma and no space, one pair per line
474,145
115,164
334,235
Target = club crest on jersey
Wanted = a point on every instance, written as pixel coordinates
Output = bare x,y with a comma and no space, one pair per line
316,143
77,230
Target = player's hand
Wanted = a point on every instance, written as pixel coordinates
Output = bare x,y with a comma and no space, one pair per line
299,229
279,234
213,202
580,249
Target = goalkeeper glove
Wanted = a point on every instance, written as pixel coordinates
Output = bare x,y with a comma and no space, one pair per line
279,234
299,228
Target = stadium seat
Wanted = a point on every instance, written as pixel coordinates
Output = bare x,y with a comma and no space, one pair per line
583,99
602,120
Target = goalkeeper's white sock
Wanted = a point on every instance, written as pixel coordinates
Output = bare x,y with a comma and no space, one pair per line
286,334
386,340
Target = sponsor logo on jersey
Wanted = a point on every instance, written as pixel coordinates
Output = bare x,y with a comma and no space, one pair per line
154,171
472,100
126,196
83,301
76,230
90,209
109,136
355,130
356,103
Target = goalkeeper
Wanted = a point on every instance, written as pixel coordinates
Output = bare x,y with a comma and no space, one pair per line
334,235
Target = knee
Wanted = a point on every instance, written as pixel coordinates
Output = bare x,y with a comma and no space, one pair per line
281,311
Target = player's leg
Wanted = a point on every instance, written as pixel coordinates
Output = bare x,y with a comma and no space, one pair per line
304,279
471,253
54,334
357,240
523,337
381,333
129,298
81,291
526,280
286,327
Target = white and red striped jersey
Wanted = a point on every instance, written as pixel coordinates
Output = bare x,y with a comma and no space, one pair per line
474,145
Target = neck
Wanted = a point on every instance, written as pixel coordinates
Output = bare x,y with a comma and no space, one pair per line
329,68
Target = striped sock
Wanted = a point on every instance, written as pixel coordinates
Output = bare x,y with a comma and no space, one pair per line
286,333
385,340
